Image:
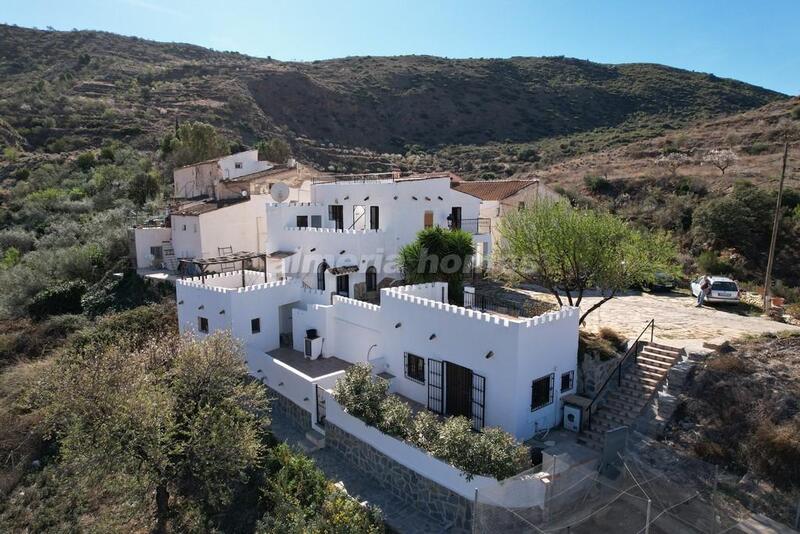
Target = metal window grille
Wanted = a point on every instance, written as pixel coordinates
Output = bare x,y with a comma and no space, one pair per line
435,386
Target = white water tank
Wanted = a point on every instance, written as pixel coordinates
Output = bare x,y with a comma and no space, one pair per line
572,417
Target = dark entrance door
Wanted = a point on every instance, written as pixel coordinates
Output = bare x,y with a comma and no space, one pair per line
343,285
336,214
458,390
455,218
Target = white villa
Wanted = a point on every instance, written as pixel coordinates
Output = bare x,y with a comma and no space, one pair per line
330,298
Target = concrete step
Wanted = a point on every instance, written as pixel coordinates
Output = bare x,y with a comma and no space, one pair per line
608,419
641,377
316,438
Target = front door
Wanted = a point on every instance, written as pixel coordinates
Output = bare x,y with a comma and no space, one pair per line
455,218
343,285
458,390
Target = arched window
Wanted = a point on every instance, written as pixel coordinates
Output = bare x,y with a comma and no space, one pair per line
372,279
321,275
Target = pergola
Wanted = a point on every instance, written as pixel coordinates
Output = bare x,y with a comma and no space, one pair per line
203,264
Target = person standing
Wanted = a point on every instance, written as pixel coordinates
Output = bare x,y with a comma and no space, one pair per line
705,289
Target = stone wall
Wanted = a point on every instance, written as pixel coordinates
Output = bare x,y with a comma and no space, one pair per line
404,483
297,415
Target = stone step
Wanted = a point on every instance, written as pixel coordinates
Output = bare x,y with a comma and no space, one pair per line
663,358
645,359
648,372
641,377
316,438
607,420
662,349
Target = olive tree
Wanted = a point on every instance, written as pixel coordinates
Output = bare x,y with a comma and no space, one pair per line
570,251
180,415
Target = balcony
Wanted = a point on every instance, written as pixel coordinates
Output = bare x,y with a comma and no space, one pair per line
479,226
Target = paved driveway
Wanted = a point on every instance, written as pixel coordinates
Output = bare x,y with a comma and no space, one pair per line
678,321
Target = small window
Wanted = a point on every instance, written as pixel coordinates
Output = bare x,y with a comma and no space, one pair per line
255,325
184,227
202,324
521,206
302,221
428,219
374,217
372,279
238,165
567,381
316,221
415,367
156,252
542,391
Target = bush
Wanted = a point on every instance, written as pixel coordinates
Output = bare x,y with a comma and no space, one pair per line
710,263
793,310
613,337
361,393
85,161
492,452
598,185
396,417
60,299
777,454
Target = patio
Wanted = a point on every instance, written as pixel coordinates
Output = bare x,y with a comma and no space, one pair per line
312,368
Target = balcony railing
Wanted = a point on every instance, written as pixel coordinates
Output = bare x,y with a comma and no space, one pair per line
355,178
479,226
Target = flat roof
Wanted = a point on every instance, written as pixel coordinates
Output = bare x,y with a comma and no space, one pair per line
313,368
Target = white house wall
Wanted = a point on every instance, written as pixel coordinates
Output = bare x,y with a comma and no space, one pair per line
144,238
186,236
240,226
248,161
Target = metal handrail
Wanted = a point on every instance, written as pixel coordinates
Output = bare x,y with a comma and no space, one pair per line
634,349
475,226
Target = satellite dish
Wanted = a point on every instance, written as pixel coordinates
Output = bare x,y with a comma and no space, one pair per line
279,192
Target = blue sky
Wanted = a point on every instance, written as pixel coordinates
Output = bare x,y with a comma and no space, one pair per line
754,41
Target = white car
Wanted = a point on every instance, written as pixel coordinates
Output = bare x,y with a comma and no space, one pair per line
722,289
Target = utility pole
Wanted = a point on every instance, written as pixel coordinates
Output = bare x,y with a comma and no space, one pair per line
775,227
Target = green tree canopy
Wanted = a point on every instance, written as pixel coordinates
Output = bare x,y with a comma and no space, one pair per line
275,150
569,251
438,255
182,416
195,141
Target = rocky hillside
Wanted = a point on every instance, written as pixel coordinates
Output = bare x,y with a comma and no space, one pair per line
62,91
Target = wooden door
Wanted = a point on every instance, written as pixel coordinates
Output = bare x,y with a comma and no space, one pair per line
428,221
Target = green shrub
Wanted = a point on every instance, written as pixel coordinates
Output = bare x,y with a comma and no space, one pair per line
395,417
598,185
710,263
491,452
85,161
796,113
59,299
756,149
361,393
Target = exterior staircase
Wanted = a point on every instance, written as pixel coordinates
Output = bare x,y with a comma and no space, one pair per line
637,384
312,441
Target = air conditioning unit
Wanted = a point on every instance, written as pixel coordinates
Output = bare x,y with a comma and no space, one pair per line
572,417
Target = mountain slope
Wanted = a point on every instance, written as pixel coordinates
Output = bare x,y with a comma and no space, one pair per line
69,90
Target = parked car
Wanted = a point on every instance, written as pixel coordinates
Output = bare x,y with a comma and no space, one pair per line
723,289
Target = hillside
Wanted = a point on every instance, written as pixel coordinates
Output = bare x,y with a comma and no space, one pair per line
62,91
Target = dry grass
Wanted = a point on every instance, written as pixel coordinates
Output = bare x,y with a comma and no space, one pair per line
727,363
20,432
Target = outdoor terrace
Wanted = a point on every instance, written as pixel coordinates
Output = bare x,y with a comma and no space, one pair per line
311,368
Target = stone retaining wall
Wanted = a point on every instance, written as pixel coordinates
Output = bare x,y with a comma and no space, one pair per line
297,415
404,483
